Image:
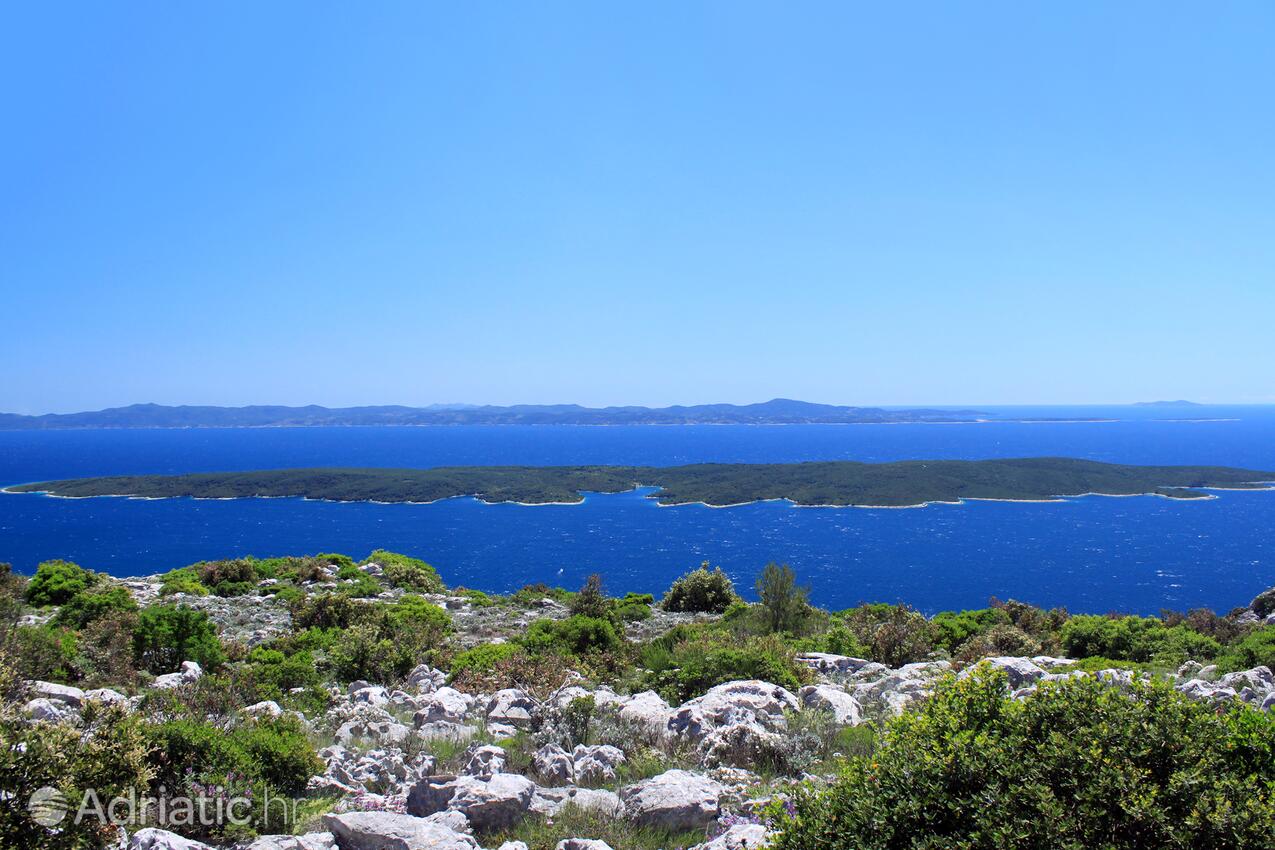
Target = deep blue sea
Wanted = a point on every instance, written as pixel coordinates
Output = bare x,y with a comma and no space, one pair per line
1093,554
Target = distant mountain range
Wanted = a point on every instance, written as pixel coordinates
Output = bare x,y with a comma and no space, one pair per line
1177,403
780,411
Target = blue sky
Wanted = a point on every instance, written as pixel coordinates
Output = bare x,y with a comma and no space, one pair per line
902,203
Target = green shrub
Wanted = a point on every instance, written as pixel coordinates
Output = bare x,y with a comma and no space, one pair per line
110,755
275,674
701,590
687,661
592,600
531,594
191,756
184,580
361,585
997,641
476,597
167,635
1256,648
954,628
1134,639
576,635
323,611
233,577
893,634
384,642
88,606
407,573
1078,764
46,652
482,658
55,582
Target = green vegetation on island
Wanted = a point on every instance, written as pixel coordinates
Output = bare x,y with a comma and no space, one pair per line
824,483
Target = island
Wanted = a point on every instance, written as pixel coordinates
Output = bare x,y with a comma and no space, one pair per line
813,484
778,411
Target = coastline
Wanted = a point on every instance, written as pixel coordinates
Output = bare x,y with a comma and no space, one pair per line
1268,487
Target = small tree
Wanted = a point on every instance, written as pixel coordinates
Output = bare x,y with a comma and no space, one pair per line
783,601
592,600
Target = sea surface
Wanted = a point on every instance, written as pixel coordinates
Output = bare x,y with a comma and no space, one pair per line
1095,554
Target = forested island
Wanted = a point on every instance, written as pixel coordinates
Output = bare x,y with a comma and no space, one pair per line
830,483
779,411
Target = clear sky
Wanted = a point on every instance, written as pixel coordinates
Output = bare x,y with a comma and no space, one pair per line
650,203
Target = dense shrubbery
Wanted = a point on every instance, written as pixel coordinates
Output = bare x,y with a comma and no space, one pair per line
167,635
228,578
701,590
689,660
578,634
1134,639
55,582
89,606
1079,764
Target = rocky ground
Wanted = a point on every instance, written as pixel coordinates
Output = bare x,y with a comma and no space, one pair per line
430,766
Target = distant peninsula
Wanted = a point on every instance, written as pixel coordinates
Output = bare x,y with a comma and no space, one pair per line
832,483
779,411
1178,403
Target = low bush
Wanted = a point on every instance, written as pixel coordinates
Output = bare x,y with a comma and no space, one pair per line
167,635
407,573
89,606
269,757
893,634
576,635
233,577
701,590
1255,649
687,661
110,754
184,580
482,658
1077,764
1134,639
55,582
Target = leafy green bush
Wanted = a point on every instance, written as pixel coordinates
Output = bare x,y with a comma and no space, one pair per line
688,660
999,640
110,755
954,628
46,652
633,607
55,582
407,573
1254,649
167,635
384,642
191,756
576,635
233,577
88,606
1078,764
323,611
476,597
592,600
893,634
1134,639
184,580
482,658
363,585
700,590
